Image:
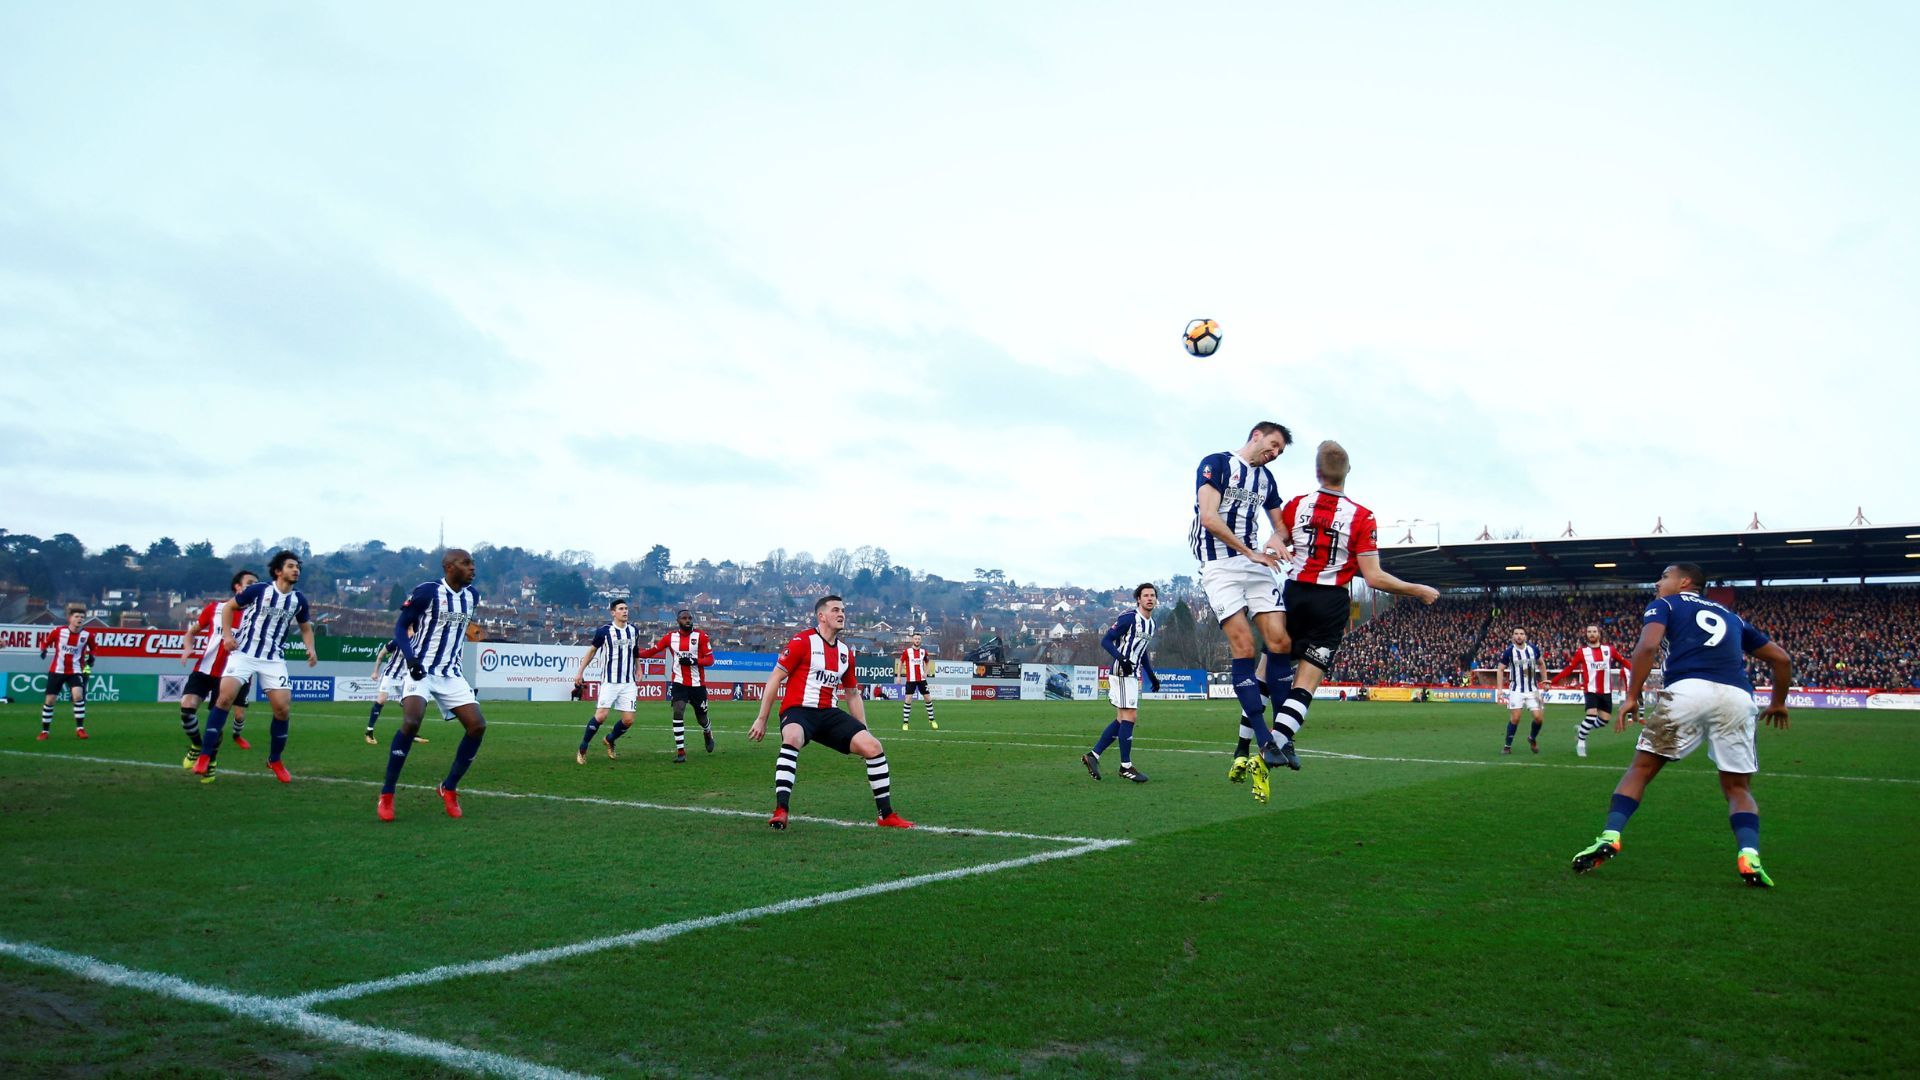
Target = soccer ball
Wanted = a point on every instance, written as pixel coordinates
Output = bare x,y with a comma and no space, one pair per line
1203,336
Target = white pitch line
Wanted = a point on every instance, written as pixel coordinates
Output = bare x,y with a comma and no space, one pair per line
634,804
280,1013
517,961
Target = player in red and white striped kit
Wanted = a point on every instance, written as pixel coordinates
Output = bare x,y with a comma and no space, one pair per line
203,682
689,654
1332,538
814,671
913,665
1596,663
72,650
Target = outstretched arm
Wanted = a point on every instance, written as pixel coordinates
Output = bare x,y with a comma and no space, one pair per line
1376,577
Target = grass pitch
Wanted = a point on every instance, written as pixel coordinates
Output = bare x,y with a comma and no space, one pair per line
1402,906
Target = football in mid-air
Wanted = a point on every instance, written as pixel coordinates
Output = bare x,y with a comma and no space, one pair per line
1203,336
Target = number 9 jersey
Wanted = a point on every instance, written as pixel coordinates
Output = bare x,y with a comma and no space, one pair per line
1705,640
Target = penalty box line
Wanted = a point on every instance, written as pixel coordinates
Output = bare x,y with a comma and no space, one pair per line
589,800
279,1013
534,957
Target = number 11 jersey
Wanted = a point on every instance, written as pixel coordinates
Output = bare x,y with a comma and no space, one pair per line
1328,533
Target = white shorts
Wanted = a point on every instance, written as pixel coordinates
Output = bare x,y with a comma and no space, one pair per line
266,674
618,697
1124,691
1240,584
448,691
393,685
1528,700
1694,709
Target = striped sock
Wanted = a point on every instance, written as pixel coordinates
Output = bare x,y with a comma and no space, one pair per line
679,733
239,720
906,710
783,775
929,704
700,714
879,779
79,715
46,717
1245,745
190,726
1591,723
1292,714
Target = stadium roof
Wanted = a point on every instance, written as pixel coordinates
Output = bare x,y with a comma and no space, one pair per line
1847,554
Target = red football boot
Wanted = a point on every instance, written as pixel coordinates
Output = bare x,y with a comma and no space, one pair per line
452,799
280,772
42,737
200,765
79,733
242,743
779,818
895,821
384,808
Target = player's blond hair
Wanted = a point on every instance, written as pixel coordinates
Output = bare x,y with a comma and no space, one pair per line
1331,463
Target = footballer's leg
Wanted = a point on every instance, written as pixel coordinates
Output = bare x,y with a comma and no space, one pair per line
879,778
476,729
281,704
1513,725
1533,737
412,710
204,765
1626,799
79,710
1743,815
679,730
1127,718
1594,722
926,697
190,726
373,715
706,724
625,725
785,770
593,726
46,712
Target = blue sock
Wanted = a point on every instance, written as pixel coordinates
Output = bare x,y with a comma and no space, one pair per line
462,757
397,759
1746,829
1253,707
1279,680
587,739
374,715
1535,735
1126,741
1107,737
618,730
1512,726
1619,810
277,739
210,735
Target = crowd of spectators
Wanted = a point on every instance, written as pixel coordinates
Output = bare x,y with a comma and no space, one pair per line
1838,636
1841,638
1414,643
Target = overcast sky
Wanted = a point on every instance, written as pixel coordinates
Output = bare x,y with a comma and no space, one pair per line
737,277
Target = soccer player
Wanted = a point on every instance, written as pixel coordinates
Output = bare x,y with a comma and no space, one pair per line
619,685
1596,662
203,682
390,667
431,633
913,668
1519,674
1126,641
1332,538
255,654
1231,491
689,653
813,673
1707,697
72,650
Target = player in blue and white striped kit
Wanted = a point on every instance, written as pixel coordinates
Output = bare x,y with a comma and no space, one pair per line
1520,673
1126,641
257,652
619,683
432,633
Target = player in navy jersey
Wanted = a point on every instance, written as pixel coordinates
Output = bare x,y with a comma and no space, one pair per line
1707,697
432,633
1517,680
619,683
1232,492
1127,641
390,667
256,654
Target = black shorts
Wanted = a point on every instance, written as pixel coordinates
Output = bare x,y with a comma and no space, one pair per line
918,686
1600,703
695,694
57,683
207,687
1317,621
832,728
